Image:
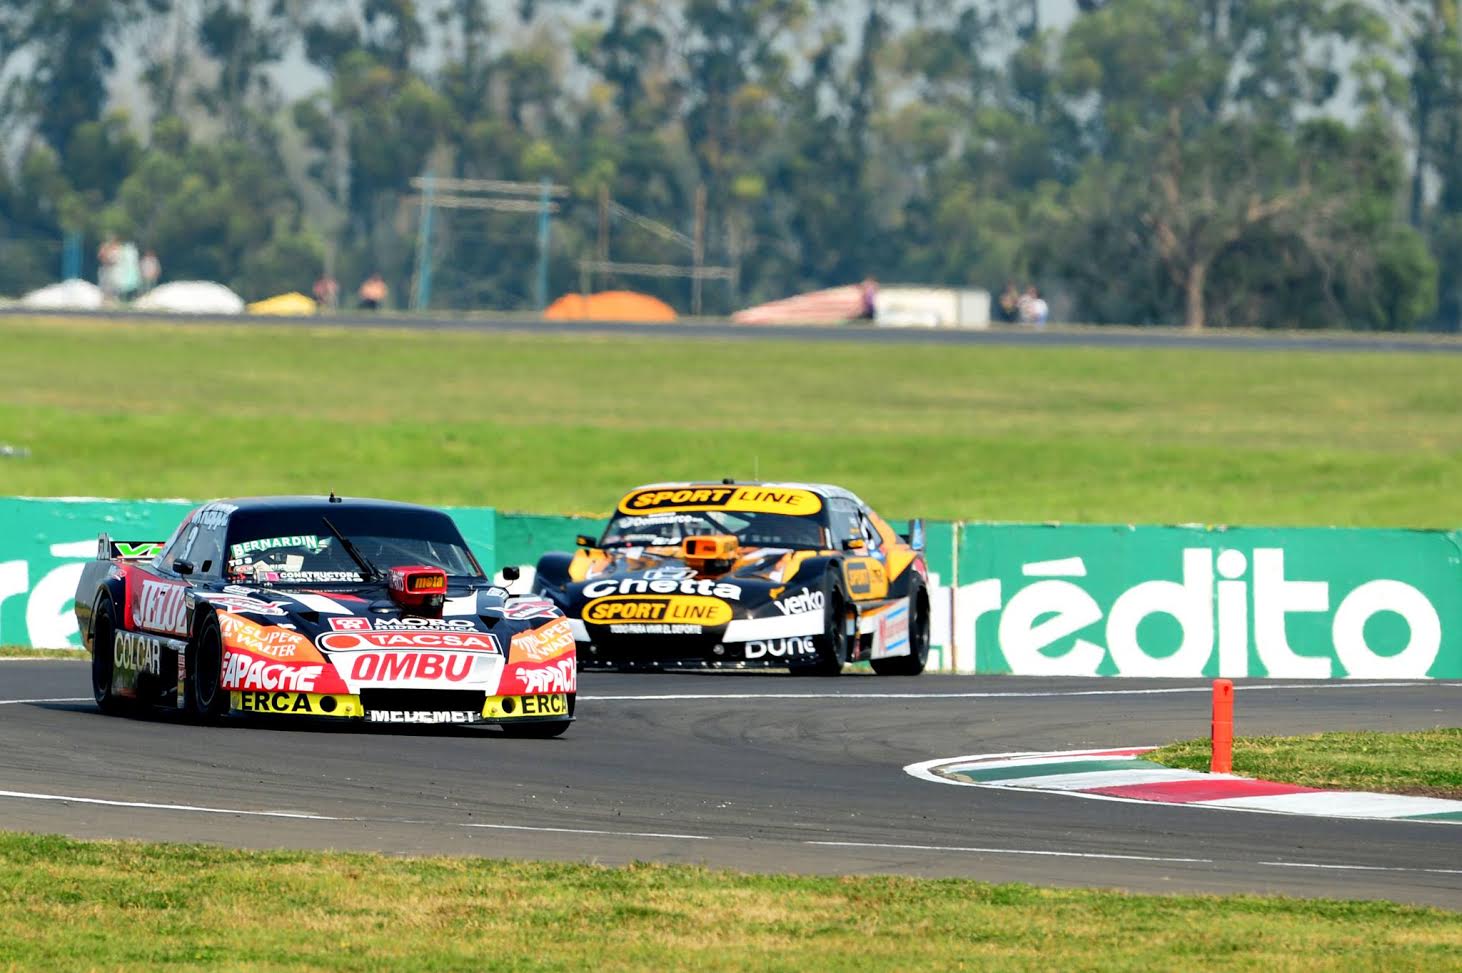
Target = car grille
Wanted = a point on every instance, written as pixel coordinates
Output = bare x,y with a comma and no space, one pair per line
437,700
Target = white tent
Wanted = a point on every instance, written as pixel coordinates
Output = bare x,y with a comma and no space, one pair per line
191,297
69,295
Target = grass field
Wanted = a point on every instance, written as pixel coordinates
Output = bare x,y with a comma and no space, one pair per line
74,905
564,424
1428,762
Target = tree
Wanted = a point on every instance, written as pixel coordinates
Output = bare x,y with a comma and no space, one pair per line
1196,112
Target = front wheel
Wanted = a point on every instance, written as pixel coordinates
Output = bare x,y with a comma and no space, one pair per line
103,659
203,696
918,657
832,644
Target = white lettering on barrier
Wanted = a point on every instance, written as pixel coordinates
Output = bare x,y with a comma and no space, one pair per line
1189,601
1041,616
1022,637
1370,599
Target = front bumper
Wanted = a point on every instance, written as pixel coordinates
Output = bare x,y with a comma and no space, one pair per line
408,707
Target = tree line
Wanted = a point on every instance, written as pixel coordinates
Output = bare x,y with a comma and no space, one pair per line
1272,163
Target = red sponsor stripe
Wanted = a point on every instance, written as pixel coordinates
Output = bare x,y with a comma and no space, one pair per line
1193,791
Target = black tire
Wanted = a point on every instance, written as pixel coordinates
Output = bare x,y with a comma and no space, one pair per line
918,657
103,658
202,697
832,644
535,731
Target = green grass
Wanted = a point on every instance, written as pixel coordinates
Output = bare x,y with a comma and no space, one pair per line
72,905
1428,762
26,652
565,424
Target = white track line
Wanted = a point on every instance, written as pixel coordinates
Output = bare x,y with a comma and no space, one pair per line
1205,690
54,699
616,834
67,799
1137,858
1014,851
309,816
1032,852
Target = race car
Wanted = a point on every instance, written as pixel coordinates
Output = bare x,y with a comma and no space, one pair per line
321,607
744,575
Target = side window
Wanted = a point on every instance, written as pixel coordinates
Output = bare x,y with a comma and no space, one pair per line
177,548
870,533
207,551
842,518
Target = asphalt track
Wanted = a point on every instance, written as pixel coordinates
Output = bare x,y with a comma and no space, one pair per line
726,330
759,772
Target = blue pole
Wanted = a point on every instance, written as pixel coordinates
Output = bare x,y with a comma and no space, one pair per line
71,256
423,244
541,291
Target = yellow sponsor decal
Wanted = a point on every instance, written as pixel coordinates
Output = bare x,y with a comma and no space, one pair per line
866,578
657,610
298,704
747,499
512,707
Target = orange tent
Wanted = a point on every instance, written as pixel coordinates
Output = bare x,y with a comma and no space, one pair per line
609,306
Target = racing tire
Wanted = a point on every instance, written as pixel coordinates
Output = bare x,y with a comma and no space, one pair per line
103,659
203,698
535,731
832,644
918,657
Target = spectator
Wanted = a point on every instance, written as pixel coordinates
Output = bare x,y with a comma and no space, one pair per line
373,292
127,271
151,269
106,264
1033,308
1010,303
327,292
869,289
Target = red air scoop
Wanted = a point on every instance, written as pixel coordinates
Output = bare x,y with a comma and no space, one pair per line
419,589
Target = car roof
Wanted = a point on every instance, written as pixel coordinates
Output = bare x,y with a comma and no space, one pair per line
825,490
293,503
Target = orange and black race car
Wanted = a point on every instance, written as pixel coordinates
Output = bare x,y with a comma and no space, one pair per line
740,575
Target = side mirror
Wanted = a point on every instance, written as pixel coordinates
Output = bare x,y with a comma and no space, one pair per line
915,536
855,544
584,540
183,567
511,573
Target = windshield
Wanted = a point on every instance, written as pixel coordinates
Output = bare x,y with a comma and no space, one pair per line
750,529
304,551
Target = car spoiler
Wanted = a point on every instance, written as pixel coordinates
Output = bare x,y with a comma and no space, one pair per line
110,550
915,536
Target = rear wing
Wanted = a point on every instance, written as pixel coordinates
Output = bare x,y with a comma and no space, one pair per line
110,550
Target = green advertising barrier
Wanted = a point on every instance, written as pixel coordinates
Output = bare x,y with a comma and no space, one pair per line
1195,602
1030,600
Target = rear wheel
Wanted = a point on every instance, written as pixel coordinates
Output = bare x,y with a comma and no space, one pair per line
203,696
832,644
103,659
918,657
